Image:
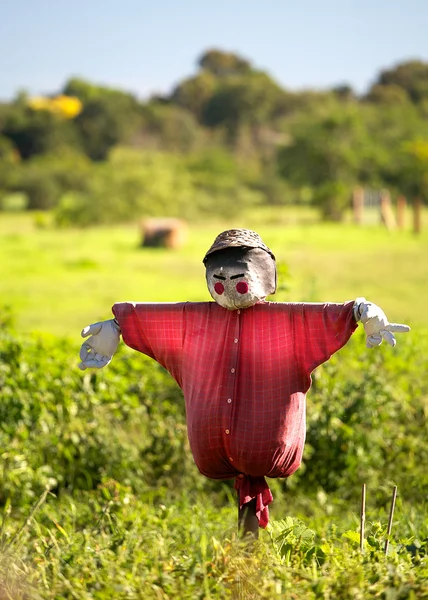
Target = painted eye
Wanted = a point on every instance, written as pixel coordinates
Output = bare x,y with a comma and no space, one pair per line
242,287
219,288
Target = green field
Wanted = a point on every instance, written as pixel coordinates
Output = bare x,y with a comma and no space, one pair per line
58,281
128,515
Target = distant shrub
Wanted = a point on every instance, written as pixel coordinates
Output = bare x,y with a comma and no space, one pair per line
333,199
14,202
135,184
42,192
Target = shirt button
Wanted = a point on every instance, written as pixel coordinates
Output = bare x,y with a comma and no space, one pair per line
230,458
235,340
227,431
232,370
239,312
229,400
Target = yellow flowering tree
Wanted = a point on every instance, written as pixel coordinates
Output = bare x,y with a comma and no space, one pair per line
67,107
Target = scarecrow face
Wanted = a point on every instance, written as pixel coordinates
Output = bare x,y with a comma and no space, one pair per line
240,277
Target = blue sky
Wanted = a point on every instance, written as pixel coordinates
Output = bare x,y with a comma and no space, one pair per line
147,47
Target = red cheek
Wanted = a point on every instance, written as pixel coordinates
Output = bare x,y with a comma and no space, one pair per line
242,287
219,288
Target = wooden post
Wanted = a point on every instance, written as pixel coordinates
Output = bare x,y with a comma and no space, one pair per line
358,204
401,211
248,523
362,516
391,514
417,215
387,216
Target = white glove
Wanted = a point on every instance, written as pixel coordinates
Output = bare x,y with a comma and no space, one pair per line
98,350
376,324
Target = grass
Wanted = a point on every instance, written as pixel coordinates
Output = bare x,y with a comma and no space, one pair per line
58,281
109,544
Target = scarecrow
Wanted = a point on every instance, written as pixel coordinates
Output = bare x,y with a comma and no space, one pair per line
244,364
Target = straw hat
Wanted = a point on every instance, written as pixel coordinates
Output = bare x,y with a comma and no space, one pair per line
238,238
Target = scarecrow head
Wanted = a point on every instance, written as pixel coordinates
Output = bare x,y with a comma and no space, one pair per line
240,269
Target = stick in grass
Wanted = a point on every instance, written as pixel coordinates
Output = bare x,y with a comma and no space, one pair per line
363,516
391,514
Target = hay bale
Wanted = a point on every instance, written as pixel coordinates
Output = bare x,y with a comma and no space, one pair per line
163,233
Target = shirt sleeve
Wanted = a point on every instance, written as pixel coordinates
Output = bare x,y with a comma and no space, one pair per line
155,329
321,330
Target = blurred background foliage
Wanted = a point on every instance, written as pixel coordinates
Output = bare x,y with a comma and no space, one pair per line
94,154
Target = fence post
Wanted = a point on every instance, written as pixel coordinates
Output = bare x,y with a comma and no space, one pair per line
417,215
387,216
358,204
401,211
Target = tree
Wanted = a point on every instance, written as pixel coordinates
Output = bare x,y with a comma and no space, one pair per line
109,116
392,129
7,150
37,131
223,64
392,94
326,153
411,168
251,99
87,91
411,76
194,93
344,92
169,127
106,121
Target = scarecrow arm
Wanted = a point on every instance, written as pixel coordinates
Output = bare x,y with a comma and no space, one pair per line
376,325
97,351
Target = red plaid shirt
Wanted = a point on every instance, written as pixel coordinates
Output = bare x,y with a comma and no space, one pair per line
244,376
